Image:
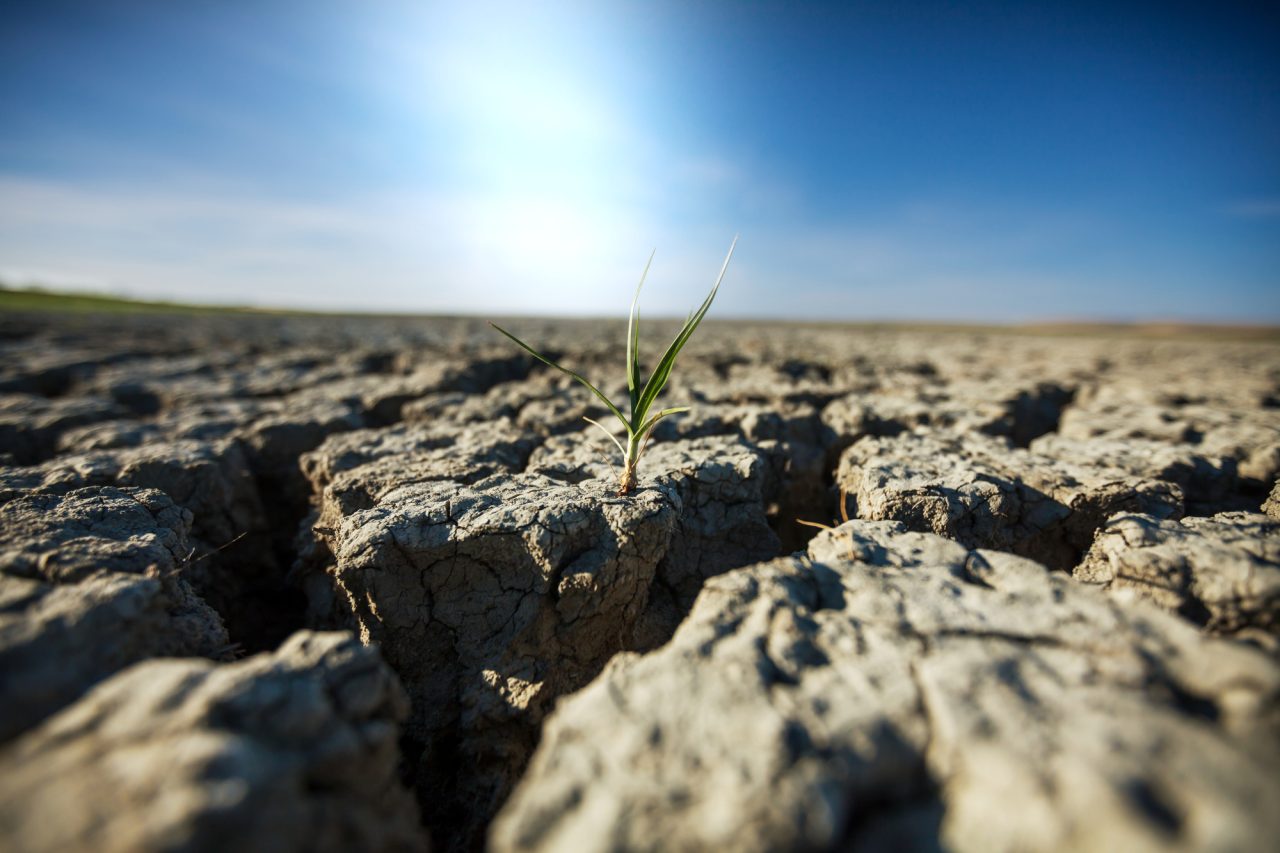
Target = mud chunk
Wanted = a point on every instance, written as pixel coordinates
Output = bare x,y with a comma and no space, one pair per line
492,597
722,487
213,482
89,586
904,701
1208,481
30,426
491,600
1272,504
57,641
353,471
105,435
225,373
459,407
380,399
722,484
1222,572
205,420
983,493
792,440
66,538
465,452
467,372
47,372
546,403
290,751
477,373
1018,410
1250,436
790,381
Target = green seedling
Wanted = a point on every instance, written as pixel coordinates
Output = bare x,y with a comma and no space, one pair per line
639,426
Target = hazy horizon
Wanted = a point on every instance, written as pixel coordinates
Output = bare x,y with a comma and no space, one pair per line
985,163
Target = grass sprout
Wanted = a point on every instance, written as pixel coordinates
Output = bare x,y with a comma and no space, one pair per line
639,425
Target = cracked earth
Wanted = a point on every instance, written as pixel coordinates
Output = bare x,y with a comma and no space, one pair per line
296,583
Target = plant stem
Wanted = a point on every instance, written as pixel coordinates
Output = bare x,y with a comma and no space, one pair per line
627,482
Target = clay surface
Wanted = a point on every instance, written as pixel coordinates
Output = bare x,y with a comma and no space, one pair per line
498,573
290,751
1052,623
1221,572
899,691
92,581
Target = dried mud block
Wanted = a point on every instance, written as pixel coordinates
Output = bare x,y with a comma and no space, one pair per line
1222,572
722,483
493,596
1271,506
1255,446
290,751
1183,376
462,408
1251,437
108,435
56,642
89,586
222,373
30,426
923,697
793,441
1208,481
491,600
210,479
544,403
563,412
789,381
477,373
440,450
47,371
204,420
1019,410
354,471
380,398
982,493
66,538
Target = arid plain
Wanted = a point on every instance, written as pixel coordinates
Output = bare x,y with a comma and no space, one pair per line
323,583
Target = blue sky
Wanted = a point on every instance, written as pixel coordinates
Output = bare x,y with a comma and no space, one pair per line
979,161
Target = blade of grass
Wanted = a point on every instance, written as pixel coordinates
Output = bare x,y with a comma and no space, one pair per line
649,424
612,437
658,379
594,390
633,340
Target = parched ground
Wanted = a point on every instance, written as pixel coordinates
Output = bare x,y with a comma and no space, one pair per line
294,583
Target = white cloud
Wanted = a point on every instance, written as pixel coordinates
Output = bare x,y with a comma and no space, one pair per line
474,252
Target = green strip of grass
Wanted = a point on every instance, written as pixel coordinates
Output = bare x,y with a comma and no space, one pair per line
88,303
36,300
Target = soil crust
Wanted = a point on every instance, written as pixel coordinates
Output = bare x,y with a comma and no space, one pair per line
298,583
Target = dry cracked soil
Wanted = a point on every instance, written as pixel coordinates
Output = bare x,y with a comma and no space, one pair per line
304,583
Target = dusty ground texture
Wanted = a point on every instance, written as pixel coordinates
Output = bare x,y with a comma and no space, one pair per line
1053,623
